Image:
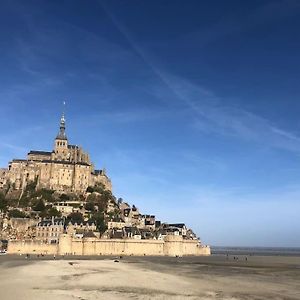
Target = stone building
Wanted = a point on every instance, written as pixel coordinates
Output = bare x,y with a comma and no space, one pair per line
49,230
67,168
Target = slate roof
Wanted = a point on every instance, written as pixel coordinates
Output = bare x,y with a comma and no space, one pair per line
19,160
61,136
36,152
177,225
65,162
73,147
98,172
48,222
83,223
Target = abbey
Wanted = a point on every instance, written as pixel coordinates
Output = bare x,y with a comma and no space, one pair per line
67,168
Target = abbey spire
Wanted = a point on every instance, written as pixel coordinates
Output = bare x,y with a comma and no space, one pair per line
62,127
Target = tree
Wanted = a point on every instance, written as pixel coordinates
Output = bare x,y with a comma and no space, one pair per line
15,213
30,187
99,200
3,203
98,218
45,194
64,197
90,206
40,206
53,212
24,201
90,189
75,217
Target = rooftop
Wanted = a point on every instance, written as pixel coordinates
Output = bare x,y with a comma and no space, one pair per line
37,152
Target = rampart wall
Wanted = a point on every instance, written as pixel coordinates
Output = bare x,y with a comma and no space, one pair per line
31,247
171,246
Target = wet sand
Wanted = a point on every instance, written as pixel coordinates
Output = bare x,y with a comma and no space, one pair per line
214,277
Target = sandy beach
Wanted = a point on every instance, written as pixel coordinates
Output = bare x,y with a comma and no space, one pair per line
214,277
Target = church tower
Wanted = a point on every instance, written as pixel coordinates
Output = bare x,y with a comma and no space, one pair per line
61,141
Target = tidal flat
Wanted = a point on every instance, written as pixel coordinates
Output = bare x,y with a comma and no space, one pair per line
213,277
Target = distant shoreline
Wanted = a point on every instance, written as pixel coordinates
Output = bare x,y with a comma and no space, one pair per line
264,251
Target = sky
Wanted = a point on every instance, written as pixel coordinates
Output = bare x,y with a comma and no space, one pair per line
191,106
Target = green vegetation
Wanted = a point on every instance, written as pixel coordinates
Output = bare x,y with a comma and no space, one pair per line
75,217
53,212
30,187
98,188
49,212
3,203
45,194
15,213
30,195
90,206
90,189
114,215
40,201
64,197
40,206
98,218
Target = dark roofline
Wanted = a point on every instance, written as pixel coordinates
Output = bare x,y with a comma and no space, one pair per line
51,161
82,223
59,137
19,160
73,146
39,152
65,162
178,225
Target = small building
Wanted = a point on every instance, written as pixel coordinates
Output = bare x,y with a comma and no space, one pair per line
85,226
131,216
68,207
147,221
180,227
132,232
49,230
116,224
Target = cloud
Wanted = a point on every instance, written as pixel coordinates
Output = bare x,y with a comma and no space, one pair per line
213,116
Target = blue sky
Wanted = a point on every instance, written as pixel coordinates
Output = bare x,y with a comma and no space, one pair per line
191,106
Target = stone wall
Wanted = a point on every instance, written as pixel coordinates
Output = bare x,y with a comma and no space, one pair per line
31,247
171,246
56,175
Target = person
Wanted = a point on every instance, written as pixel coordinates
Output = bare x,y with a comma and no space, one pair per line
54,256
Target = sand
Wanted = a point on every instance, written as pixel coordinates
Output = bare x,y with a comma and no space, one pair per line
215,277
